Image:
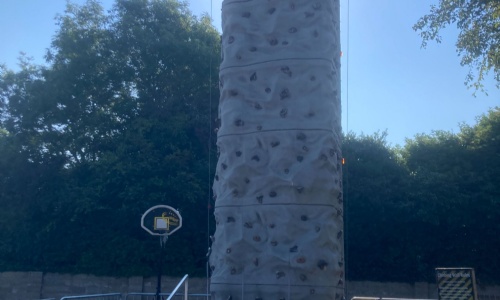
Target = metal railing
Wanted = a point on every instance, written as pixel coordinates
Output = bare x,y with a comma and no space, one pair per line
145,296
152,296
112,296
185,281
383,298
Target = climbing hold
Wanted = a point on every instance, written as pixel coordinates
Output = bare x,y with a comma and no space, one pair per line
228,250
248,225
256,261
230,219
287,71
274,243
294,249
238,153
292,30
230,39
304,218
259,198
253,77
303,277
273,41
301,136
322,264
247,180
301,260
253,49
271,10
275,143
284,94
268,90
339,235
239,122
224,166
256,238
300,158
235,193
272,194
300,189
280,274
256,158
258,106
283,113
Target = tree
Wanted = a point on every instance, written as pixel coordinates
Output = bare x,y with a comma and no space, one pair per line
478,42
380,242
454,196
116,123
278,183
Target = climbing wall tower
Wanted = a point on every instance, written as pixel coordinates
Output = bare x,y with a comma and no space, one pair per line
278,183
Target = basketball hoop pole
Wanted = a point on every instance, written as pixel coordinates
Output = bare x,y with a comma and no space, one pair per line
162,220
163,241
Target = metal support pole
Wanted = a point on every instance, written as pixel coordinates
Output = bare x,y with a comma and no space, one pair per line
163,241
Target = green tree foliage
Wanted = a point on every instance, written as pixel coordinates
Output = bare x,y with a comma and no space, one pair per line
433,203
458,198
478,42
116,123
375,185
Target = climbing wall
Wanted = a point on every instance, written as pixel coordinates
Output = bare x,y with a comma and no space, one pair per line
278,181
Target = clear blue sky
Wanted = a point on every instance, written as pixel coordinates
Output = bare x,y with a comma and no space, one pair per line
393,84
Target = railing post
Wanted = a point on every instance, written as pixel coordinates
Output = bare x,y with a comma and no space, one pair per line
186,287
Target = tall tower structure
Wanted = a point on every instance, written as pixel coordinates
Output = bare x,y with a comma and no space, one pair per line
278,182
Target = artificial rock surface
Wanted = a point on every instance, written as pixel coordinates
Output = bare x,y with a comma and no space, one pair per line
278,208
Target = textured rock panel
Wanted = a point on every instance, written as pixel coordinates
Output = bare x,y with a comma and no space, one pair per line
278,180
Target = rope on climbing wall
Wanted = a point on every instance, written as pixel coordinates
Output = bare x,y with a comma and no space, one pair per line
346,165
209,175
